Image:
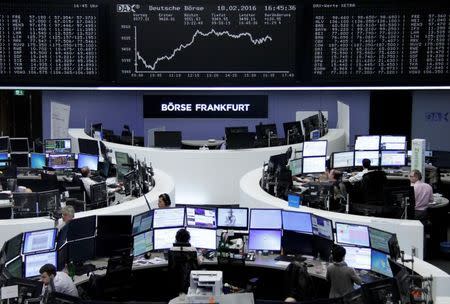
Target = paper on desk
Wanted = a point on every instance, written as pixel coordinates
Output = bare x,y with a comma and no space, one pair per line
10,292
282,263
157,260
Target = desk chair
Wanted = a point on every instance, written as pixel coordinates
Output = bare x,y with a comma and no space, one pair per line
50,180
373,187
98,196
181,261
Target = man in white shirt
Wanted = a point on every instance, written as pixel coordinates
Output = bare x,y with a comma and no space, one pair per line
56,281
423,194
359,176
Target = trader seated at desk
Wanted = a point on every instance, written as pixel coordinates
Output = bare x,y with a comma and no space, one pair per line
423,194
88,181
56,282
68,214
359,176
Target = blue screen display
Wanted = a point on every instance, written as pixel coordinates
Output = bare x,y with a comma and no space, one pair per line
37,160
297,221
3,156
87,160
380,263
264,240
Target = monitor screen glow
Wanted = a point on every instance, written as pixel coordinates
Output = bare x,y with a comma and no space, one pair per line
393,142
264,240
359,258
322,227
164,238
232,218
40,240
142,243
34,262
295,165
380,263
372,155
393,158
369,142
297,221
315,148
57,146
379,239
168,217
265,219
343,159
314,164
37,160
352,234
203,238
61,161
142,222
86,160
201,217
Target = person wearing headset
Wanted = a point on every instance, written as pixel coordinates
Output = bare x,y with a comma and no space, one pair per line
164,201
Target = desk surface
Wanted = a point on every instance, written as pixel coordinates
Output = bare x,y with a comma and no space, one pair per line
201,143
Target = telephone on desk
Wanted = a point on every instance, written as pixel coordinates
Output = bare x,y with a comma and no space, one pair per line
250,257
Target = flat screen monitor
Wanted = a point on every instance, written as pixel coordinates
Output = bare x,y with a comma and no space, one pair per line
13,247
293,132
297,243
4,143
82,227
235,130
40,240
343,159
34,262
263,131
168,217
379,239
122,158
278,160
265,219
142,222
37,160
164,238
25,201
81,250
297,221
49,201
314,164
296,166
232,218
58,146
374,157
391,142
61,161
310,124
168,139
114,225
15,267
3,158
203,238
20,160
19,144
358,258
87,160
201,217
263,239
322,227
315,148
393,158
380,263
368,142
441,159
142,243
245,140
88,146
357,235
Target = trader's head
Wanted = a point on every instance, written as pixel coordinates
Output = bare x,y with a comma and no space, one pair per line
85,172
182,236
334,175
338,253
414,176
48,272
68,213
164,201
366,163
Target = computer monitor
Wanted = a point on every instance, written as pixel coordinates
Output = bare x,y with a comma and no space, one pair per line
20,159
142,222
263,131
245,140
232,218
82,227
322,227
296,166
359,258
81,250
343,159
297,243
13,247
391,142
381,291
201,217
19,144
4,143
86,160
164,238
61,161
297,221
293,132
168,217
3,159
58,146
441,159
49,201
310,124
168,139
114,225
37,160
379,239
25,202
265,219
15,267
315,148
88,146
34,262
122,158
98,193
367,142
278,160
142,243
380,263
39,240
357,235
235,130
314,164
393,158
203,238
372,155
264,239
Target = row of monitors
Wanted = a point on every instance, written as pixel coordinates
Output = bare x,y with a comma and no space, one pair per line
383,142
55,161
19,144
350,159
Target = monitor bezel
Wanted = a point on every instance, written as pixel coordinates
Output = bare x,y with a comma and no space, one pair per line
55,232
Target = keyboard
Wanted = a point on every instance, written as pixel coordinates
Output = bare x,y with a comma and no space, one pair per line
290,258
368,277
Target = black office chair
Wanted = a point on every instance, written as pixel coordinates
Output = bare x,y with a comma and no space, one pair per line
181,262
51,181
373,187
298,283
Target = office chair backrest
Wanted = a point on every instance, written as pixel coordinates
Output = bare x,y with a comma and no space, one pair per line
51,181
298,282
181,262
373,185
